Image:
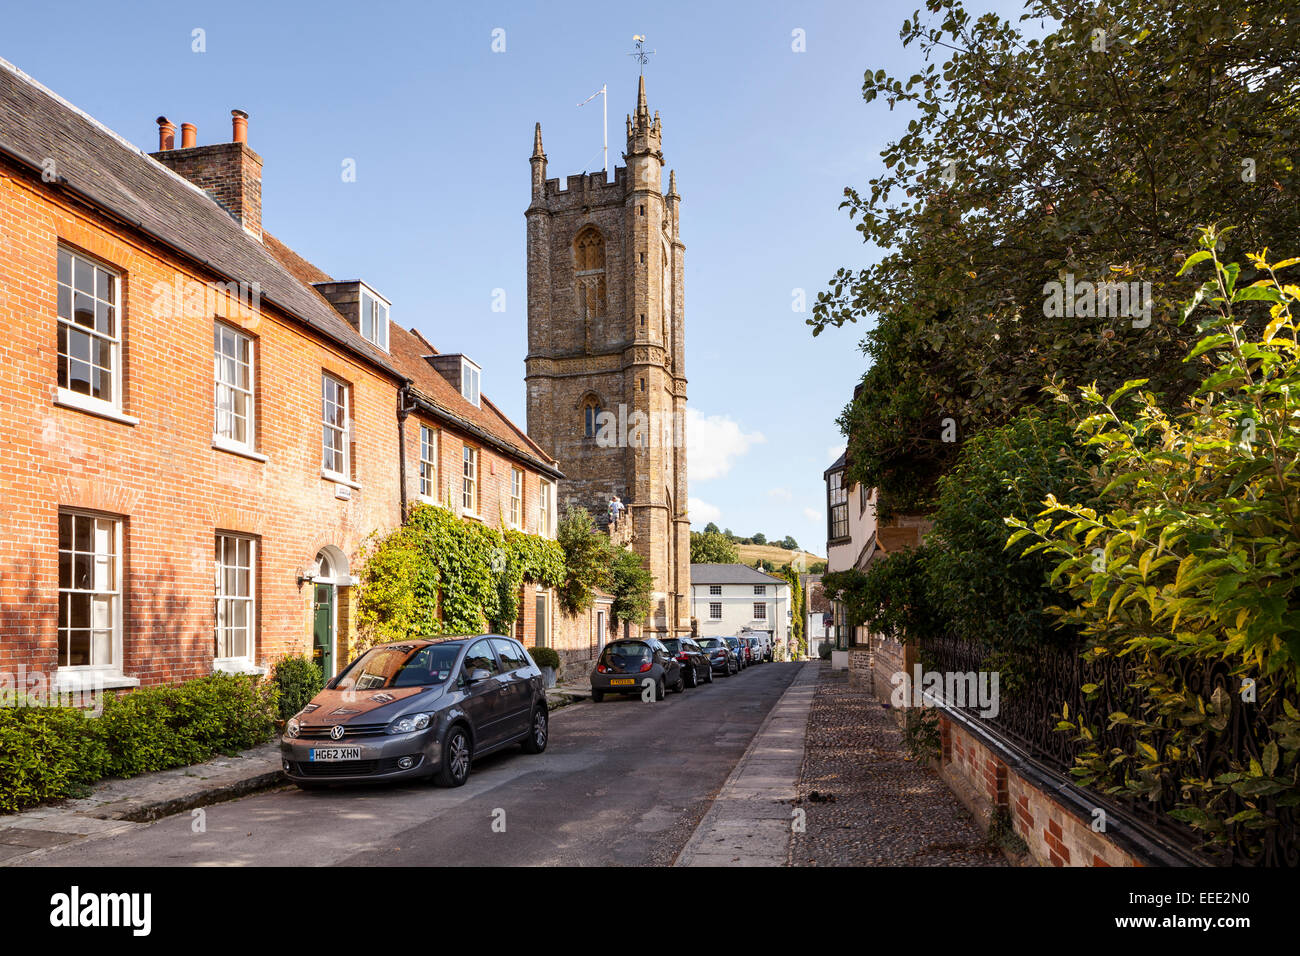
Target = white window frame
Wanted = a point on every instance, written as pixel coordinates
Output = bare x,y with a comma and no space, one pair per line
116,594
231,661
370,314
715,589
715,610
760,611
430,439
67,395
760,589
470,380
218,361
516,515
469,482
343,431
545,504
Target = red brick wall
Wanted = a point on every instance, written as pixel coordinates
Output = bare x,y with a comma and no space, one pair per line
1055,835
162,475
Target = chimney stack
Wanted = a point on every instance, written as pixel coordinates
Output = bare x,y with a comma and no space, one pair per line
166,134
230,173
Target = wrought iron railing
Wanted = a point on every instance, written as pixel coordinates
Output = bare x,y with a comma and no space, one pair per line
1030,705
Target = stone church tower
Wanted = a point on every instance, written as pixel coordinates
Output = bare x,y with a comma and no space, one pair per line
605,368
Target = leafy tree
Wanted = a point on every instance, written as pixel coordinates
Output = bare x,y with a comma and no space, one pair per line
817,567
759,538
891,597
789,543
1089,151
711,528
709,547
632,586
993,596
728,535
587,560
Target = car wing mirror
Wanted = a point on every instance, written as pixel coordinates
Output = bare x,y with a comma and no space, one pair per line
476,675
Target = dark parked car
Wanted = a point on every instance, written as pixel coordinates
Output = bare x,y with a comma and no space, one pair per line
418,709
738,645
721,657
695,663
624,666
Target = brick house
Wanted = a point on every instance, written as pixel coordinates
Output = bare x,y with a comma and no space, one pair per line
199,429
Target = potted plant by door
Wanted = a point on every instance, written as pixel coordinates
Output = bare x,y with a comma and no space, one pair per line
548,659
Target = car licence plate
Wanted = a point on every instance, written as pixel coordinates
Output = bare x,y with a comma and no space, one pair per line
623,680
326,754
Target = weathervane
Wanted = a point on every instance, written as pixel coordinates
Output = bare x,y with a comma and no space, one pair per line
641,53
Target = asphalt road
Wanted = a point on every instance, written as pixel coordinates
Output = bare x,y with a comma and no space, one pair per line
621,783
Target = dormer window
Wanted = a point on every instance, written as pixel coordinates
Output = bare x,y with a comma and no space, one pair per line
374,318
469,376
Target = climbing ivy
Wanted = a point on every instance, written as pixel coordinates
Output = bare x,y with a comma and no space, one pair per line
438,574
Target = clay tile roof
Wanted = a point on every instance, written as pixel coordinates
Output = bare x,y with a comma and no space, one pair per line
409,349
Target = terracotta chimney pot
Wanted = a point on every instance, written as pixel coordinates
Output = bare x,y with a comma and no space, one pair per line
166,134
189,136
239,120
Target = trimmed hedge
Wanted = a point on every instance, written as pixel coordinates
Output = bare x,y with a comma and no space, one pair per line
298,679
47,753
545,657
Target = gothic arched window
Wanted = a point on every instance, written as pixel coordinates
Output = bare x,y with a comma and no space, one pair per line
591,417
589,273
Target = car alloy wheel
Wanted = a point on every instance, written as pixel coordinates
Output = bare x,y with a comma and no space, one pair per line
708,677
535,742
456,758
680,686
660,692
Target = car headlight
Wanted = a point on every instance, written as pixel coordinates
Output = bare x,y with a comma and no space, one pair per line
409,724
292,728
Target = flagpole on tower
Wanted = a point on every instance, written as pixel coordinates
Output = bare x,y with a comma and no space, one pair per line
604,121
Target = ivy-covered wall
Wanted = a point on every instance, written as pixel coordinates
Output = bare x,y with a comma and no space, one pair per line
438,574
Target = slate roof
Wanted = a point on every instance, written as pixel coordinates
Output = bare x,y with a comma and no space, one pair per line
38,125
732,574
103,168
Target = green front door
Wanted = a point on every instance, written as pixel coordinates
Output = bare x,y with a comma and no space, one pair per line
323,628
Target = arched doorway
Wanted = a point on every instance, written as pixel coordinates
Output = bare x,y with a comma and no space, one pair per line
328,575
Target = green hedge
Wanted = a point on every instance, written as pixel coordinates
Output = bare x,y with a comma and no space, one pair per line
298,680
47,753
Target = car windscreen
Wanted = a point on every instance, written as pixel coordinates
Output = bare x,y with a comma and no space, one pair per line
400,665
674,646
732,641
710,643
624,654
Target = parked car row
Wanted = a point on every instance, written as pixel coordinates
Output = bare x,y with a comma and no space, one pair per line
632,666
429,708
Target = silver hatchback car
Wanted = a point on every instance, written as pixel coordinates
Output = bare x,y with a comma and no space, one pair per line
418,709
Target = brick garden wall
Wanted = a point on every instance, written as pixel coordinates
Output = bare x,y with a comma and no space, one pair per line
1055,834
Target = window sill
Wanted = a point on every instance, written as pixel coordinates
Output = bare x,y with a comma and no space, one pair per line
339,479
238,665
471,515
93,406
224,444
92,680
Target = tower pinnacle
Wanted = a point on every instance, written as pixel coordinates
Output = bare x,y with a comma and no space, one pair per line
537,142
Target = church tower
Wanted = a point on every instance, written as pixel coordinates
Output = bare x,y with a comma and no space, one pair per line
605,370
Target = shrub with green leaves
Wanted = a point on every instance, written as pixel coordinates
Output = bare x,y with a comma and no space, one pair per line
298,679
47,753
1192,558
545,657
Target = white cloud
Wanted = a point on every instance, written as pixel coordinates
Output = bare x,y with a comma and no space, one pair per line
713,443
781,494
812,514
702,512
835,451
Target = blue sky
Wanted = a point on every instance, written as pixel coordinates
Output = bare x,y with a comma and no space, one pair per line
763,140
